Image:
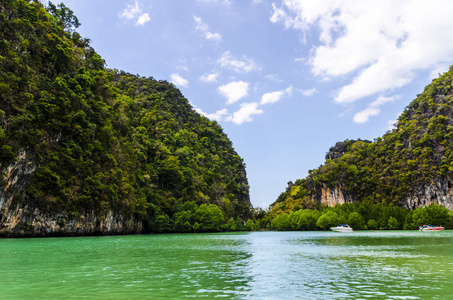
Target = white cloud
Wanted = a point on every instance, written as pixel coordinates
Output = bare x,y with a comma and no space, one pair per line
231,62
245,113
217,116
309,92
178,80
234,91
204,28
212,77
382,44
134,12
142,19
364,115
372,109
275,96
131,11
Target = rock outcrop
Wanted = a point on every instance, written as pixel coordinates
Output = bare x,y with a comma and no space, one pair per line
332,197
25,221
440,192
89,150
19,218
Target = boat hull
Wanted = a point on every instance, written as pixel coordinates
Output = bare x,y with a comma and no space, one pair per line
341,229
431,228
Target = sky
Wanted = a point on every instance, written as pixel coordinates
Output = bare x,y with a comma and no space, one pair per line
287,79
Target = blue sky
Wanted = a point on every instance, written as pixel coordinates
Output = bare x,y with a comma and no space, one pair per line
285,79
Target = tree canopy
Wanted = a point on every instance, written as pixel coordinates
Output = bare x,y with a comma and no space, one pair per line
99,139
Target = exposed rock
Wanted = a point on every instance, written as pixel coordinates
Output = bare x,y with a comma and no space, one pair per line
31,222
18,218
440,192
332,197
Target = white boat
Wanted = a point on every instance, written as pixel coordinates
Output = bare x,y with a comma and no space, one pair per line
342,228
431,228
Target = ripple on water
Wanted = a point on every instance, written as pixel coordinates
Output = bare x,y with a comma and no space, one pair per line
268,265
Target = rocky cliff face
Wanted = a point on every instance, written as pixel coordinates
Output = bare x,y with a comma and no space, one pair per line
25,221
19,218
332,197
440,192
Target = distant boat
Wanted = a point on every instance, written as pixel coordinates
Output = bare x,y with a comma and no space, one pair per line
431,228
342,228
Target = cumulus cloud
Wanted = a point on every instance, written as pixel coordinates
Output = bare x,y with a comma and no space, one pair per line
234,91
245,113
309,92
372,109
381,44
211,77
142,19
240,66
217,116
204,28
134,12
275,96
178,80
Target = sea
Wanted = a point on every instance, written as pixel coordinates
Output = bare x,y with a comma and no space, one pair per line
243,265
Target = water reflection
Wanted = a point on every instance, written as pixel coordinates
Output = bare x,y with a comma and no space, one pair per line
259,265
400,265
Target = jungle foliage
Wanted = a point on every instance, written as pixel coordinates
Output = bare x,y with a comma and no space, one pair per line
103,139
417,153
360,215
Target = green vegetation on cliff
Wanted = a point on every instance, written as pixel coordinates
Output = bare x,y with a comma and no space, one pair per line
404,162
100,140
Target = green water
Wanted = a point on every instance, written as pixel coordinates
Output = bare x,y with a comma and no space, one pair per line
257,265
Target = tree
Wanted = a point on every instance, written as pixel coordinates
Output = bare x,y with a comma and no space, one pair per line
327,220
393,223
372,224
209,217
249,225
419,217
356,220
281,222
66,18
438,215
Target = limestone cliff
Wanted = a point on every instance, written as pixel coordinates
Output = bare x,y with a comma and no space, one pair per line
332,197
409,166
89,150
440,192
18,217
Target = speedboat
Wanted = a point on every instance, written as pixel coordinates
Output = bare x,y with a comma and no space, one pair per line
342,228
431,228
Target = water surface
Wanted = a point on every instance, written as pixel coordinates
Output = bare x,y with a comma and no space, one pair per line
257,265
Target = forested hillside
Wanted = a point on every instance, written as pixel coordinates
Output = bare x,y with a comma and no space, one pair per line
88,150
410,166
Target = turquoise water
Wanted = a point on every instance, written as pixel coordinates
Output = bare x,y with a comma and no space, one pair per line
257,265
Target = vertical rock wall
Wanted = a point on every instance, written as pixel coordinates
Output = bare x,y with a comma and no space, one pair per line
18,218
332,197
439,192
